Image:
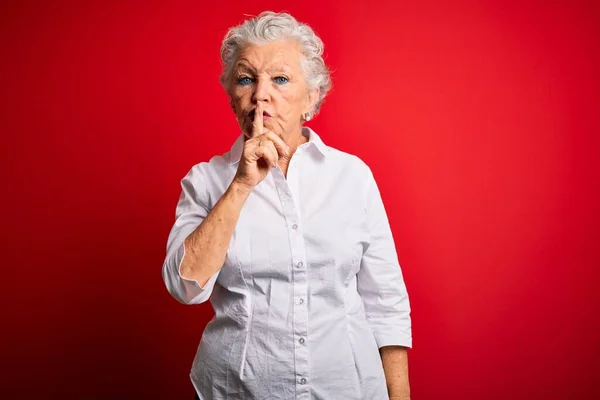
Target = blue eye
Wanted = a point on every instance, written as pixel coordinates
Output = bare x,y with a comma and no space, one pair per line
244,80
281,80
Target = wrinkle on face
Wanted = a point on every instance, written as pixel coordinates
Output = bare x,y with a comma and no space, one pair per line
265,65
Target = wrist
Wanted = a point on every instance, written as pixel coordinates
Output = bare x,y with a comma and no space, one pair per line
240,188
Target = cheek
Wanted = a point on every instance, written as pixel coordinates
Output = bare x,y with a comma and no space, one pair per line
290,100
241,93
238,101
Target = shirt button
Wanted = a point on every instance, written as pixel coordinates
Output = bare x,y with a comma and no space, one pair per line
295,226
303,381
300,301
300,264
301,340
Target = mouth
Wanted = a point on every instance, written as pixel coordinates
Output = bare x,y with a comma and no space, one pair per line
265,114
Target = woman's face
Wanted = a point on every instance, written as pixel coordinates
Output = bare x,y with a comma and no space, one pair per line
271,73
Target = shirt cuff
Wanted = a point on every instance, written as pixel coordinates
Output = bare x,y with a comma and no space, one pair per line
187,291
393,337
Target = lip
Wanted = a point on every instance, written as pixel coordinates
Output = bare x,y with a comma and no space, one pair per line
265,114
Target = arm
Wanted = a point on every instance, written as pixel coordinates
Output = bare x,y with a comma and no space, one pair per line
383,292
395,366
197,245
206,247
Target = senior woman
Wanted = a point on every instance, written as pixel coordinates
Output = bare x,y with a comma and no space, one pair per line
289,239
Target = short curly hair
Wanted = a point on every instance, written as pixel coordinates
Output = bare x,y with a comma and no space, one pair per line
269,26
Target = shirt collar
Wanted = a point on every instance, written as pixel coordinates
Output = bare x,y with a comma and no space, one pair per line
314,141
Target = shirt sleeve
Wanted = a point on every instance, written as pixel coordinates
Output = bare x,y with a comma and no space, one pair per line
380,281
192,208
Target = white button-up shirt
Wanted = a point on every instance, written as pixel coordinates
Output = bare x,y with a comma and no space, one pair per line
310,288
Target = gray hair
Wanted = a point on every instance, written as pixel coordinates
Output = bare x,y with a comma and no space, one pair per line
268,26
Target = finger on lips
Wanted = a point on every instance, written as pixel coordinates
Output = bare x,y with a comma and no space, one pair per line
277,146
257,124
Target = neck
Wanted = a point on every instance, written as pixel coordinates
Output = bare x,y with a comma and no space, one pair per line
293,140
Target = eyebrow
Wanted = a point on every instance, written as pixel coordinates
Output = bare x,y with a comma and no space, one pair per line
283,68
243,64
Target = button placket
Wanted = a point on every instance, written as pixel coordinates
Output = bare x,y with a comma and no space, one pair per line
299,285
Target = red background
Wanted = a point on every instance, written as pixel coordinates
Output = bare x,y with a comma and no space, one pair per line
479,119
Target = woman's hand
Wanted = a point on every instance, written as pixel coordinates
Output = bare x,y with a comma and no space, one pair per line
261,152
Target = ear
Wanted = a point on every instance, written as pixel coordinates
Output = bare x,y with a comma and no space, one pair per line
313,97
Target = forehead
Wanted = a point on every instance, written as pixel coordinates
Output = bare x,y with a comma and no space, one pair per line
280,54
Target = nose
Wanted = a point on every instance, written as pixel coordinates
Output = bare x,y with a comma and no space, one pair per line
261,91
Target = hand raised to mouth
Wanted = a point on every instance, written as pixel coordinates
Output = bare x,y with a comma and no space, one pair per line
261,152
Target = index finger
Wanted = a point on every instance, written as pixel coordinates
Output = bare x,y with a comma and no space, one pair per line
257,124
